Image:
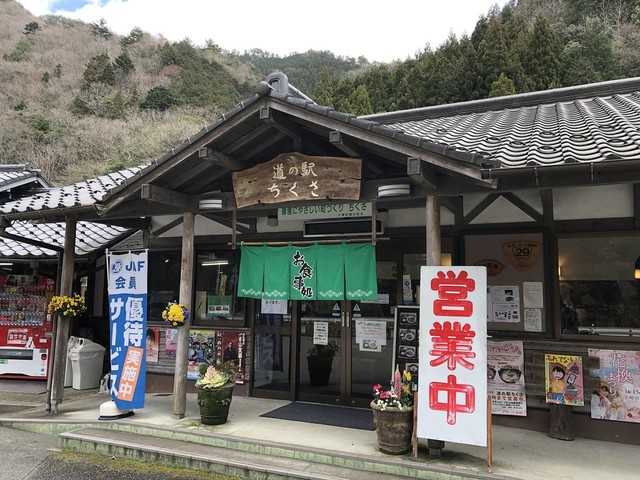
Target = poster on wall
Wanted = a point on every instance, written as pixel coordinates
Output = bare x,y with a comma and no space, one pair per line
371,335
216,346
505,304
170,341
505,378
231,345
153,344
563,379
452,405
618,395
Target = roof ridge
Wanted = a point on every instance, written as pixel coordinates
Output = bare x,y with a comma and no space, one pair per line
520,100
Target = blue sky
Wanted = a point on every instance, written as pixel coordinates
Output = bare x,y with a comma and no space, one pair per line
378,29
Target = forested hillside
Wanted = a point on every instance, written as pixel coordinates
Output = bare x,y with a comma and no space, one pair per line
79,101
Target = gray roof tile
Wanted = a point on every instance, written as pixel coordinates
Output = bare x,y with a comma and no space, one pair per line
90,237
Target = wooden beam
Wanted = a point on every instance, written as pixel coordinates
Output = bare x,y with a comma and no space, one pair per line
421,173
63,325
279,122
186,294
525,207
346,145
225,161
154,193
167,227
228,223
481,207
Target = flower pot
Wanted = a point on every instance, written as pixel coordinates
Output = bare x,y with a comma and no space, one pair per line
394,429
214,403
319,370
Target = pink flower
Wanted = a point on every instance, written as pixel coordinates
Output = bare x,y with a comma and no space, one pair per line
377,387
397,383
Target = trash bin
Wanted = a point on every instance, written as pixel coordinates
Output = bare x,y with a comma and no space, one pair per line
68,371
87,359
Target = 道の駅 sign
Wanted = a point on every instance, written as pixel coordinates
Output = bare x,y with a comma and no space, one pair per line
452,401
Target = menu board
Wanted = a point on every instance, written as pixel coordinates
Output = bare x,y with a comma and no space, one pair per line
406,339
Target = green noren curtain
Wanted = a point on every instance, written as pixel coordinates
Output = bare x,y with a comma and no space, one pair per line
316,272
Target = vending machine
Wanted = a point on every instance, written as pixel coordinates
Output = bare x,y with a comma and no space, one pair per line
25,326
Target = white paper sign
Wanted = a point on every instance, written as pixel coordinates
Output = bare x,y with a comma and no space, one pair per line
453,355
320,333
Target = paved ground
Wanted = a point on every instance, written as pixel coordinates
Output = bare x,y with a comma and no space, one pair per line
517,453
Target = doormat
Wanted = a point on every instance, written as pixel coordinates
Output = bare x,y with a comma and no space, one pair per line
347,417
23,386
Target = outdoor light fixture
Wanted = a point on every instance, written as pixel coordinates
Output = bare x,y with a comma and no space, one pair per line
637,270
398,190
211,204
272,220
217,261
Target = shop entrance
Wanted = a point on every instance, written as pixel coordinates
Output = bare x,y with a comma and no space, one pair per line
345,347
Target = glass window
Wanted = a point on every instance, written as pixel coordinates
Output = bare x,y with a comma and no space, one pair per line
216,302
163,282
598,291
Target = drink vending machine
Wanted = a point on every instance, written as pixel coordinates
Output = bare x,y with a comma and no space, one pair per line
25,326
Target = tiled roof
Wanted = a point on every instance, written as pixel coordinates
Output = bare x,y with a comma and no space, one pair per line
89,238
603,126
13,175
80,194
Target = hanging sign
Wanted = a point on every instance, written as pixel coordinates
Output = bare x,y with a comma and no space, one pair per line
127,286
295,177
522,255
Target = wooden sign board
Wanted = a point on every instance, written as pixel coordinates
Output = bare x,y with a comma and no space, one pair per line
522,255
296,177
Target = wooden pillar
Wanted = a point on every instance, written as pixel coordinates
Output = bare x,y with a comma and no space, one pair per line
186,294
561,422
434,244
63,326
434,255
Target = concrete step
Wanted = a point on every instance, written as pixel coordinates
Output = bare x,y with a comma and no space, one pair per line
245,458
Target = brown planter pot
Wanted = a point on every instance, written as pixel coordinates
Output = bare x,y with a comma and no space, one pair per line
394,429
319,370
214,403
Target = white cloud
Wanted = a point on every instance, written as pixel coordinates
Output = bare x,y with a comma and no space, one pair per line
379,30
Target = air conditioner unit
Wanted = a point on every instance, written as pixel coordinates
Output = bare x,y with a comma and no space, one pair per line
341,228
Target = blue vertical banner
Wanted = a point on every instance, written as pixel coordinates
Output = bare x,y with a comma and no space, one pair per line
127,286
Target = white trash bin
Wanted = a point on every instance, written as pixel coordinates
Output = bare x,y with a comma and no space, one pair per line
87,359
68,371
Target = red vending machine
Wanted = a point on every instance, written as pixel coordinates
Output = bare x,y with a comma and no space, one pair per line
25,326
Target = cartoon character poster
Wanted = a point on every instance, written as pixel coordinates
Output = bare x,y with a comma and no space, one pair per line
563,379
618,395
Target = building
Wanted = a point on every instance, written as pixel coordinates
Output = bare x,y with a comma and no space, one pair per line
540,188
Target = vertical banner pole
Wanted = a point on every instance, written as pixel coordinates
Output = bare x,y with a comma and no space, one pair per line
414,435
489,437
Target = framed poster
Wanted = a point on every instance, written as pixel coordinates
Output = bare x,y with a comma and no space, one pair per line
406,340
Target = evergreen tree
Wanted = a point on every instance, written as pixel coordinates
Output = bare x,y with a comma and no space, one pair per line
123,65
359,101
31,28
542,58
324,90
158,98
469,79
100,29
492,53
501,87
99,70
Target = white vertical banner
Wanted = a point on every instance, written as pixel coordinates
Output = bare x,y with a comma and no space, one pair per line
452,386
127,287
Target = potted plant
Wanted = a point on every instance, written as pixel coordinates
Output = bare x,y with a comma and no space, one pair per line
320,361
175,314
67,306
393,414
215,388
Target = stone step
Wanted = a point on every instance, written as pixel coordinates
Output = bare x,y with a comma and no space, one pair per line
244,458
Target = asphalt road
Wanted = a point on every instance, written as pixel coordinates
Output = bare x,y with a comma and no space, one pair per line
32,456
